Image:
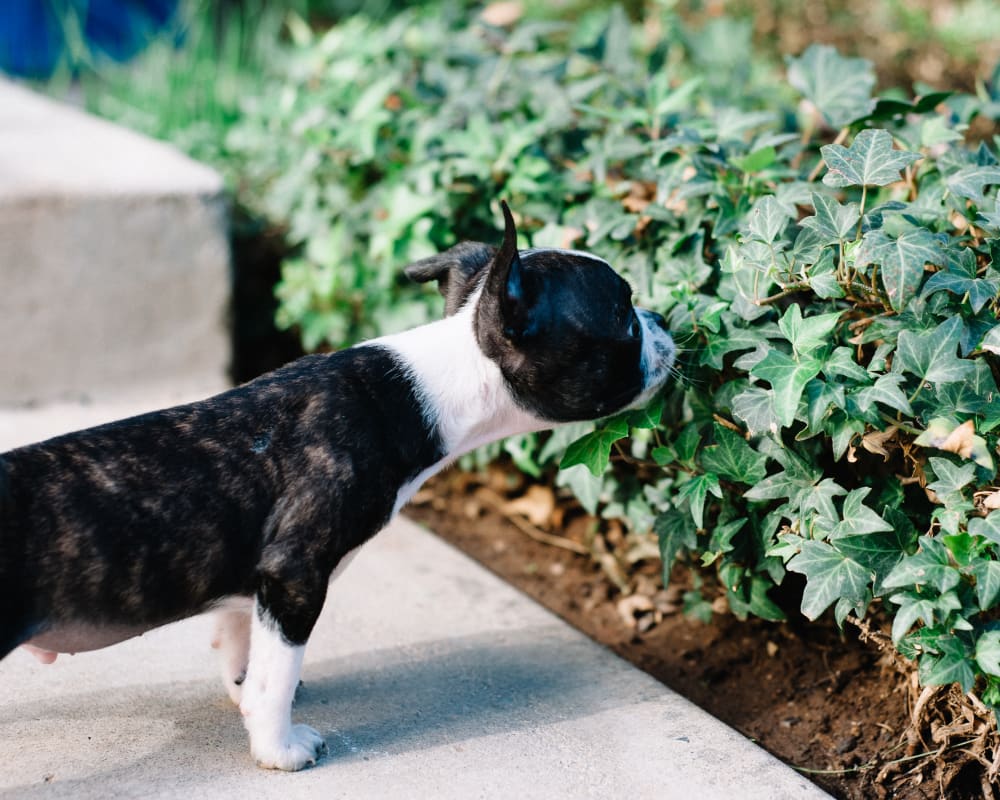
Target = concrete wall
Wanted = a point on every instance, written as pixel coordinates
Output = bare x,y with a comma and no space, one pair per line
114,260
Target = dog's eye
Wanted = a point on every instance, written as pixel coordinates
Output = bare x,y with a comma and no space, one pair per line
635,327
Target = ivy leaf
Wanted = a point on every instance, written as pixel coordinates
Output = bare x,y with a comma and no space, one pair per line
869,161
970,182
841,362
988,527
839,87
695,491
809,334
586,486
594,449
950,479
980,290
788,379
952,665
902,260
675,531
912,607
832,221
754,407
648,417
987,575
830,576
731,457
877,552
857,517
988,652
733,341
931,355
929,566
768,219
885,391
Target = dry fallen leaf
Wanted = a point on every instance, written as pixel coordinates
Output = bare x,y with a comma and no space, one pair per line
503,14
631,608
989,500
536,505
875,441
943,434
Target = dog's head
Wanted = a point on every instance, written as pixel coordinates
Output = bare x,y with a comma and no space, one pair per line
560,324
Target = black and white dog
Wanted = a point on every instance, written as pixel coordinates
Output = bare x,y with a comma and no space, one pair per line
248,502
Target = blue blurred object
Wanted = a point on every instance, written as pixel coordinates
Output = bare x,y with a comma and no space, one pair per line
33,32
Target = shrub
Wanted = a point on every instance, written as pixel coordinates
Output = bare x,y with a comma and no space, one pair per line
826,257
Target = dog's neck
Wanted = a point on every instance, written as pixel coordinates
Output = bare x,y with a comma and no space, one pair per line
463,393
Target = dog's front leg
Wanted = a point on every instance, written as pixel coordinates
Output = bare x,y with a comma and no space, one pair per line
286,608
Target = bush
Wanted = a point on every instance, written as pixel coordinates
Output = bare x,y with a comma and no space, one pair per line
827,260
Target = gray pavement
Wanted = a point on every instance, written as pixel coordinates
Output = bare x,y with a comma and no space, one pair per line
428,676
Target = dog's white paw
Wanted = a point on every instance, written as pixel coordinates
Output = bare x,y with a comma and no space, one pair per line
302,748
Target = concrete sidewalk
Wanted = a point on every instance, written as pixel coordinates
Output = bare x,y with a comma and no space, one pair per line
428,676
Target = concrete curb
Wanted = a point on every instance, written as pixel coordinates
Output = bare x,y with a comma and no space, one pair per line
114,258
428,676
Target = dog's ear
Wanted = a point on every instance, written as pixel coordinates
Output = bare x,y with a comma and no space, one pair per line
455,270
506,283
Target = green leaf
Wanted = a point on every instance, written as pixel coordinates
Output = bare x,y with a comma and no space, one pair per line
988,652
912,607
953,665
980,290
901,260
675,531
839,87
931,355
987,575
885,391
687,444
830,576
929,566
755,407
584,484
877,552
869,161
832,221
731,457
857,517
757,160
733,341
988,527
809,334
694,491
761,604
970,182
768,219
788,379
841,362
648,417
594,449
950,479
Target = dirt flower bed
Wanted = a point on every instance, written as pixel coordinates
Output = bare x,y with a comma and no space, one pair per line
841,707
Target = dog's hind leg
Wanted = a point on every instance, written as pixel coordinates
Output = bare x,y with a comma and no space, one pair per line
232,640
288,603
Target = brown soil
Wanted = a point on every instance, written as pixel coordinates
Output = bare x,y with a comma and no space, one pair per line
823,701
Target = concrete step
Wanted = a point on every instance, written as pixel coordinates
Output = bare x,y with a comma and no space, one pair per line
114,259
428,676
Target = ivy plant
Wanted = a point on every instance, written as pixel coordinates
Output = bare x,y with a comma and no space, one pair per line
827,258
